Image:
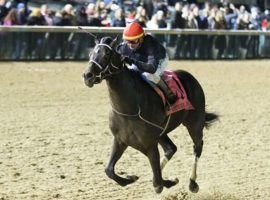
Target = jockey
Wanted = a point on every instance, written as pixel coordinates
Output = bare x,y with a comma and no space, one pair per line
143,53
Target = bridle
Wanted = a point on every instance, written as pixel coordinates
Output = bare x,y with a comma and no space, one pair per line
106,71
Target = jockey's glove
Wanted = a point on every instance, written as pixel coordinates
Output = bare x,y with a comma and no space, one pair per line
127,60
145,67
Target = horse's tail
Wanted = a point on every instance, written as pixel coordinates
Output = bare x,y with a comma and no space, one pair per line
210,118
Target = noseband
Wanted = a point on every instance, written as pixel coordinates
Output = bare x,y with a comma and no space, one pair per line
106,72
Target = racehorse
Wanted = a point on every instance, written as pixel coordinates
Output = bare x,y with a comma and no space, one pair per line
137,118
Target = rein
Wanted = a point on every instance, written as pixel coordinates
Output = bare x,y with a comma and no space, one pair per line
107,69
145,120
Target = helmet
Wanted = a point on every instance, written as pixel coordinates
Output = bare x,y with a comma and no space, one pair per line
133,31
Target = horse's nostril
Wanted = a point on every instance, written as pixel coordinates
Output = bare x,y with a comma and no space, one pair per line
87,75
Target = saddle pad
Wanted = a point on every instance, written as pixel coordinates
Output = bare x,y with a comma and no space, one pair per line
177,88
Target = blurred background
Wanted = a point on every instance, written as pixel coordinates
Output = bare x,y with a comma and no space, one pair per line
190,29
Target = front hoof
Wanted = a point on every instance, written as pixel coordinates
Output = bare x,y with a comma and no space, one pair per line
170,183
193,186
176,181
132,178
129,180
159,189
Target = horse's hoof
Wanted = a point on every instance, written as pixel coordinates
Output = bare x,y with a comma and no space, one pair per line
193,186
159,189
133,178
128,180
170,183
176,181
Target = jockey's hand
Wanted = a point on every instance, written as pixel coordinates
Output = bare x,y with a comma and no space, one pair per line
127,60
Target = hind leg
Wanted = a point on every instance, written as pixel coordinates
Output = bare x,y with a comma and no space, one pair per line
169,149
195,129
193,186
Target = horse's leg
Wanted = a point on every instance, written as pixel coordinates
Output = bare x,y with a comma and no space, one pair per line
153,156
193,186
116,153
196,133
158,182
169,149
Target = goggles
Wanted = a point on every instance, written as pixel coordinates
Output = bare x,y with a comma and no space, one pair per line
133,41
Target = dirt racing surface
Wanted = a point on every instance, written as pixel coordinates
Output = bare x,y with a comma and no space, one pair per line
55,140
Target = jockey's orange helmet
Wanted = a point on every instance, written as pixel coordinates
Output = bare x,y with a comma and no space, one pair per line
133,31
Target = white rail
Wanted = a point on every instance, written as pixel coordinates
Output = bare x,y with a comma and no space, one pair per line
74,29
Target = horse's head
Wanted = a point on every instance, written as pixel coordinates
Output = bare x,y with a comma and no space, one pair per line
103,61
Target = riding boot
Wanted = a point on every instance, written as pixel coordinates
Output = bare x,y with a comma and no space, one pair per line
170,96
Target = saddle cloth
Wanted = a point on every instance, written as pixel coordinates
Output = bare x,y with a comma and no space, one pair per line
173,82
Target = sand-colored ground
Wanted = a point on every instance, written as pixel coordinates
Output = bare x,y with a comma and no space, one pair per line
55,140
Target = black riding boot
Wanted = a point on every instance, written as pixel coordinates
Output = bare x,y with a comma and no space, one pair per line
167,91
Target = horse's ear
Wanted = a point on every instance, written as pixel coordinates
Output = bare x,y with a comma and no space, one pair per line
115,41
97,40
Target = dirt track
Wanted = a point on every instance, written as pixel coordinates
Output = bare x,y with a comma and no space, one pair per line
55,139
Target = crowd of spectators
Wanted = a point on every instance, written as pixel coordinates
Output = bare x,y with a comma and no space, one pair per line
150,14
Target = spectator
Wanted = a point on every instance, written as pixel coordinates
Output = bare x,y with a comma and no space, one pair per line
67,13
35,47
192,39
3,11
61,41
11,40
180,22
220,40
81,16
243,23
36,18
48,37
141,16
149,7
255,24
104,18
153,23
231,15
131,16
11,18
47,15
161,24
266,39
202,19
119,20
100,7
92,16
79,44
23,13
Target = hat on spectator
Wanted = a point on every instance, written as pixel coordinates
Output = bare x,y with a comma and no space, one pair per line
20,6
133,31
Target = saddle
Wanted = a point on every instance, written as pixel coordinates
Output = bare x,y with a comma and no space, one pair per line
173,82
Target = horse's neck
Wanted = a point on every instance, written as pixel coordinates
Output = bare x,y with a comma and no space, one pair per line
123,93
